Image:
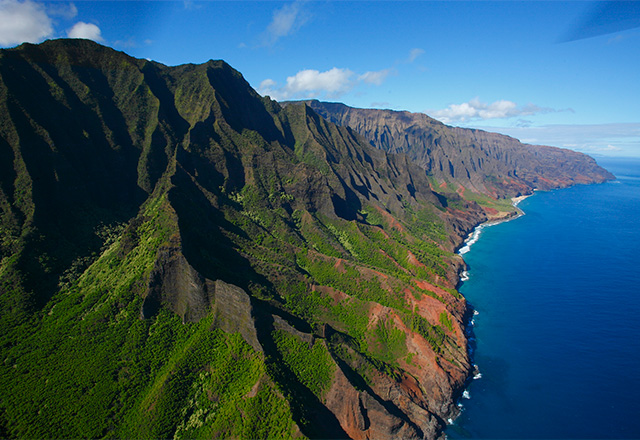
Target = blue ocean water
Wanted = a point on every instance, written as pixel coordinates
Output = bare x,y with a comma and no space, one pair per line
558,326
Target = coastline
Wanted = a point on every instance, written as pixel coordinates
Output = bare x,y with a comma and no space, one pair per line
469,317
474,235
474,372
496,280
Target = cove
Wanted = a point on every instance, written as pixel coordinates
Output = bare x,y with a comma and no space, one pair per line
557,339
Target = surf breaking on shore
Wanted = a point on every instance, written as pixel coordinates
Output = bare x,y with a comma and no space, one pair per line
474,235
473,238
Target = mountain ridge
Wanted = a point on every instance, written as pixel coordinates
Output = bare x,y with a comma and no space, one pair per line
181,257
479,161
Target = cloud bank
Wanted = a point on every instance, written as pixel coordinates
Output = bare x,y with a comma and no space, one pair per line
475,110
621,139
22,22
310,83
30,22
376,78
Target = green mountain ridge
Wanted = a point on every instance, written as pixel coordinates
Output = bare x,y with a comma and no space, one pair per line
180,257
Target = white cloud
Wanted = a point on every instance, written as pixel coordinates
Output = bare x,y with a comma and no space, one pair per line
380,104
415,53
129,43
286,21
88,31
376,78
310,83
477,110
21,22
190,5
267,84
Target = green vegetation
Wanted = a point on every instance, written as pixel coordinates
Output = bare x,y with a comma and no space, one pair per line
434,334
390,341
445,320
172,182
309,361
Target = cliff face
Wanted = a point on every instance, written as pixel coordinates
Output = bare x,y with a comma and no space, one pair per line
479,161
183,258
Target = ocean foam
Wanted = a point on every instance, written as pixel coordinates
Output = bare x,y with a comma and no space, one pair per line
477,376
464,276
471,240
466,394
474,236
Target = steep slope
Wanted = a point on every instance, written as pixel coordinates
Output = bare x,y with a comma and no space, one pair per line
183,258
460,158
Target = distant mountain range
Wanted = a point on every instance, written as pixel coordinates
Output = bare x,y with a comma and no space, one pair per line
181,257
476,160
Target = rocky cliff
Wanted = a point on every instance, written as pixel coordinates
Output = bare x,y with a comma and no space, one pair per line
476,160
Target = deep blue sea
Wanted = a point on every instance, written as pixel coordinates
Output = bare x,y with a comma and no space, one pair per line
557,332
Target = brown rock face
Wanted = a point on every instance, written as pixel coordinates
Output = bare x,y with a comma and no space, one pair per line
177,284
234,312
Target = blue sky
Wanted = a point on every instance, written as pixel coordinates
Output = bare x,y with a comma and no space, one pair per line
557,73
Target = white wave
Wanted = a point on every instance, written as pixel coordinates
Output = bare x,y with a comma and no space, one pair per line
477,376
464,276
449,421
466,394
471,240
476,313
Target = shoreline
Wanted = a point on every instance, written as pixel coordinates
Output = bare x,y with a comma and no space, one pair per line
474,235
469,321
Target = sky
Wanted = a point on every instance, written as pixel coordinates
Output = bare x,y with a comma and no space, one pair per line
556,73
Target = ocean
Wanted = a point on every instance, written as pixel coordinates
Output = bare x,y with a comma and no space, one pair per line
557,329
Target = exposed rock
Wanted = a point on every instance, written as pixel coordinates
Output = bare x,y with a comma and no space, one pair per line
234,312
177,284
